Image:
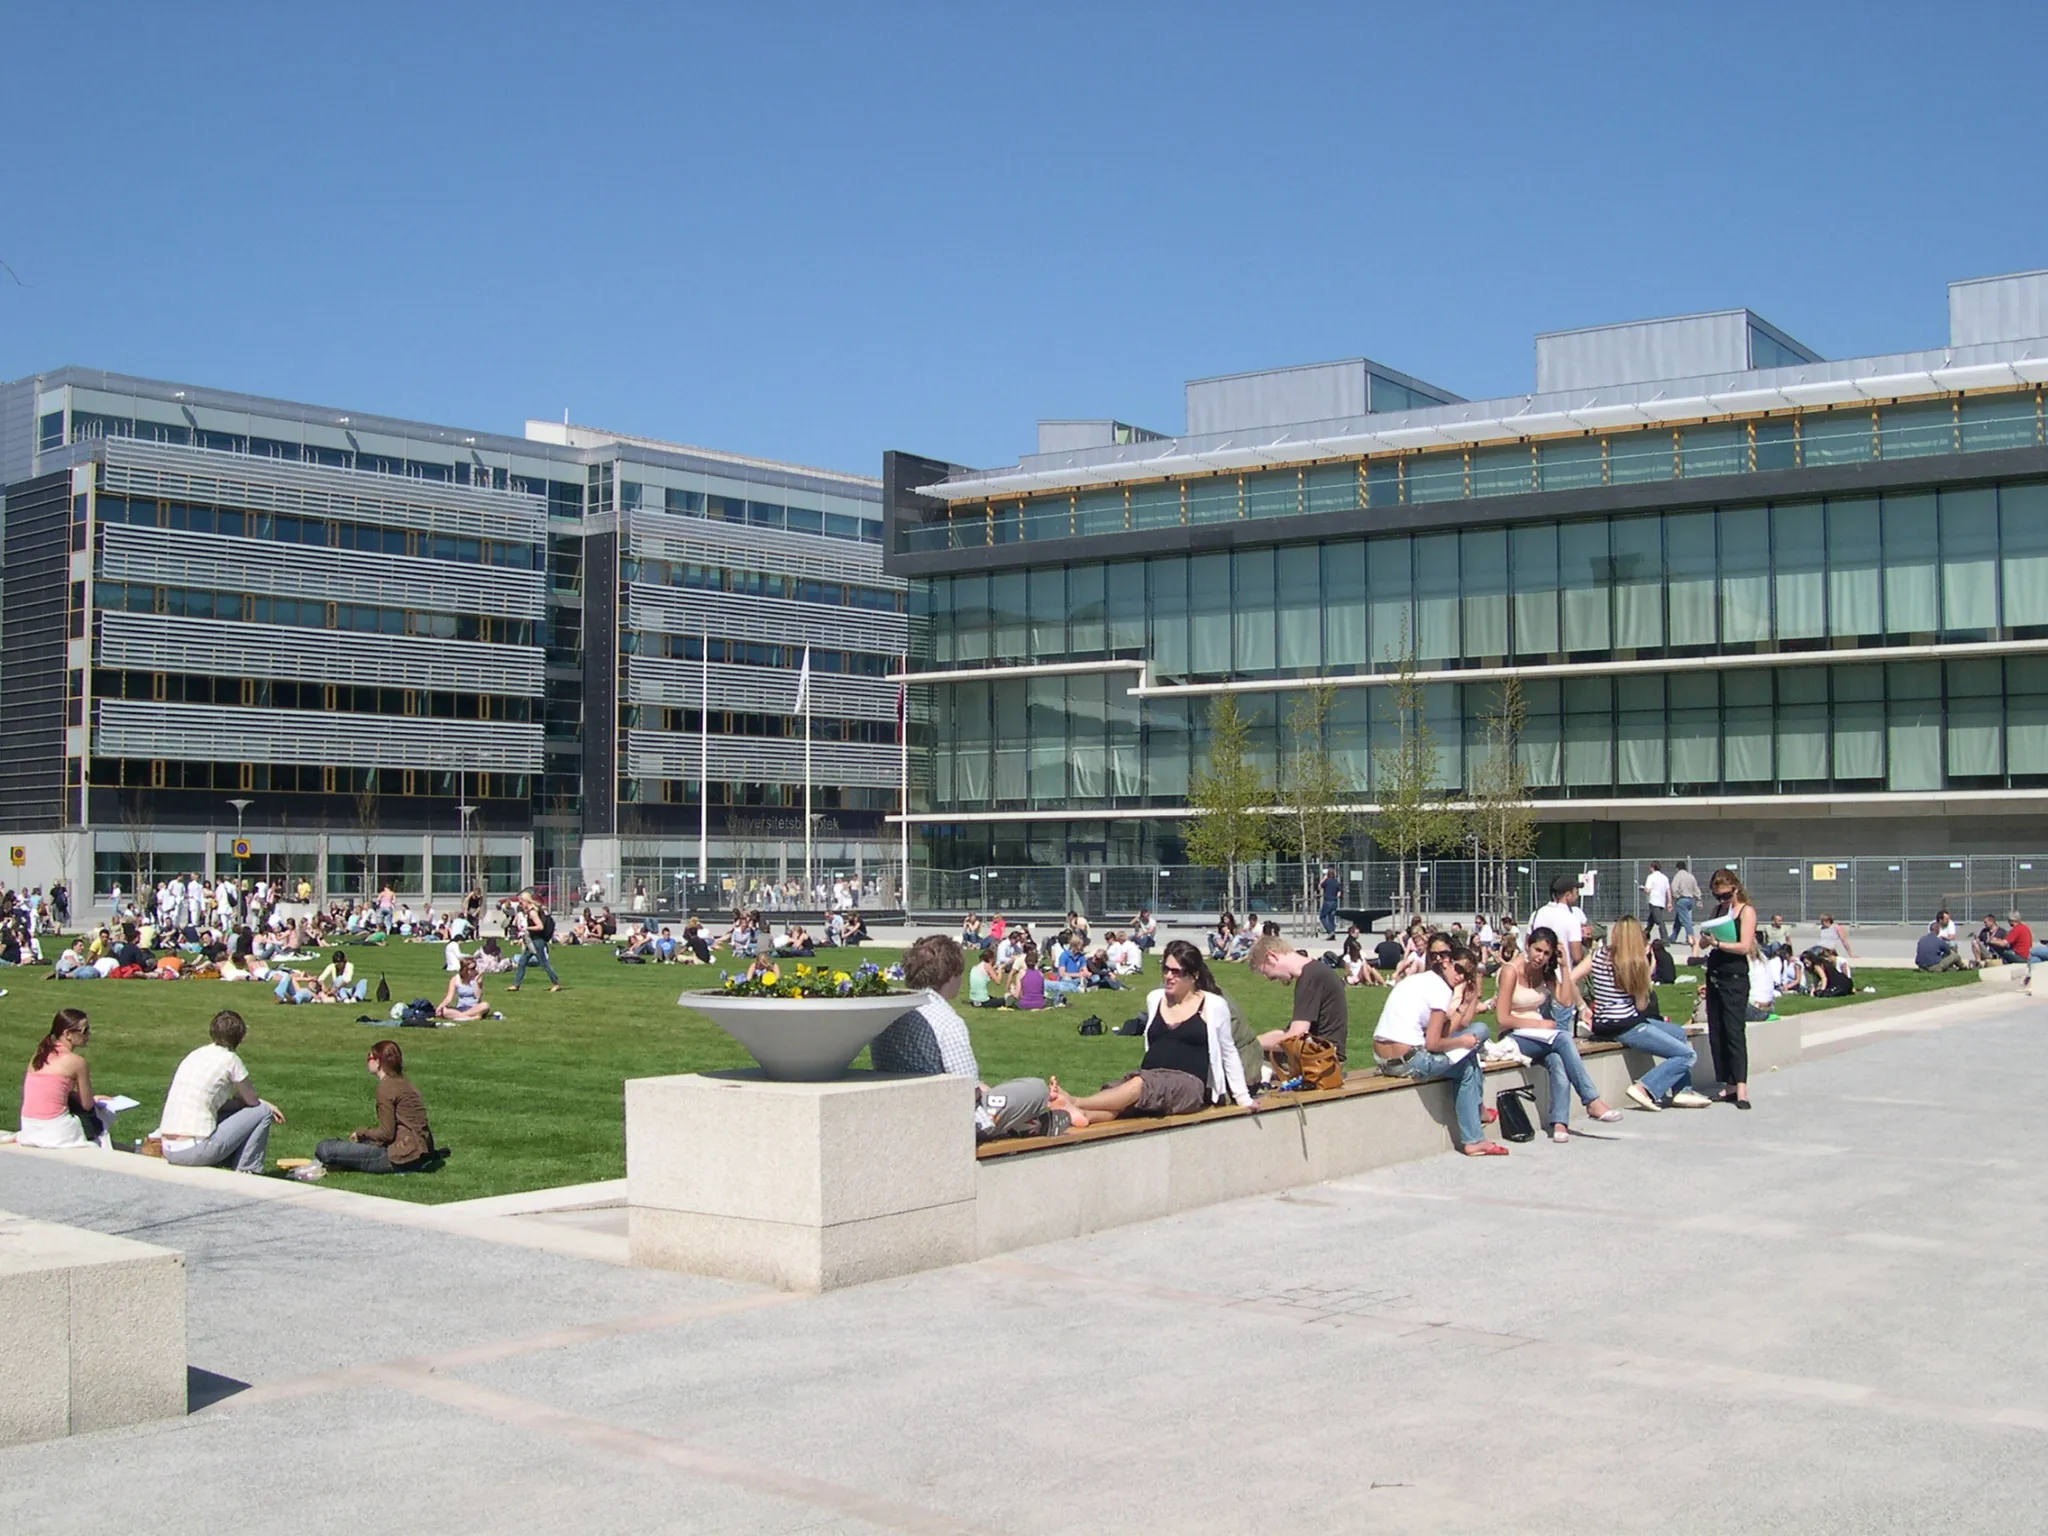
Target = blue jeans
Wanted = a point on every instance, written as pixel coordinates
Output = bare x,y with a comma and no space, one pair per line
1654,1037
1559,1056
287,993
1329,919
535,952
1682,926
1470,1074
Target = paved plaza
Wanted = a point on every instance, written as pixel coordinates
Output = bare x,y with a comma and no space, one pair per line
1824,1315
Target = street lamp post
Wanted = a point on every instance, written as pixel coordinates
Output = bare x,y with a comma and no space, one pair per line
464,874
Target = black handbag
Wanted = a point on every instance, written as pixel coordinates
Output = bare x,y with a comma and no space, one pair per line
1091,1025
1515,1121
383,989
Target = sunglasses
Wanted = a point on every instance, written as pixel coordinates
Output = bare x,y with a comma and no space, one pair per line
1172,970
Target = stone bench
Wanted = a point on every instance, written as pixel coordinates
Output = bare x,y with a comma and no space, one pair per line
92,1329
811,1186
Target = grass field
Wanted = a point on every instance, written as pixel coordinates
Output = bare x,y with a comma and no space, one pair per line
534,1100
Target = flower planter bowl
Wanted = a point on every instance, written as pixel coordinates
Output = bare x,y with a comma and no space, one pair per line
802,1039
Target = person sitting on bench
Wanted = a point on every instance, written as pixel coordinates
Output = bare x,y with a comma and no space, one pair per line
1526,1006
932,1039
1320,1008
401,1140
1427,1031
1190,1059
1625,1009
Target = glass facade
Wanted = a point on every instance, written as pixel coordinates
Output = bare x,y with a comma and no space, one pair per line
1672,654
1809,439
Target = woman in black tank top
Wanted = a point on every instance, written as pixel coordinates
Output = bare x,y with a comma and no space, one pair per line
1186,1054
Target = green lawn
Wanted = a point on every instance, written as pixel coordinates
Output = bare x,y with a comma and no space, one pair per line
533,1100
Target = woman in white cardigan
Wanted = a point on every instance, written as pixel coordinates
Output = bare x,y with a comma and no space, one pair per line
1190,1059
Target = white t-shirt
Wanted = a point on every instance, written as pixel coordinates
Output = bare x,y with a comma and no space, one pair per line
1657,889
205,1081
1560,920
1126,958
1405,1016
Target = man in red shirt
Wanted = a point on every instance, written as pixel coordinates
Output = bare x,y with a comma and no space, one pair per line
2018,945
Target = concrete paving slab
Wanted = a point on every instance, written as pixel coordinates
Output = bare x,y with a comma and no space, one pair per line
1820,1316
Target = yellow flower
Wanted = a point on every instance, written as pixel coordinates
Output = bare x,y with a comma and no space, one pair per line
840,978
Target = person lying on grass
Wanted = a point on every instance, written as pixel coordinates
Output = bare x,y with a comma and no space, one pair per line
1191,1059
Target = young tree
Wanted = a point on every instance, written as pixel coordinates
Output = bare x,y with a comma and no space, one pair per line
1412,818
1311,825
1230,827
1501,823
367,820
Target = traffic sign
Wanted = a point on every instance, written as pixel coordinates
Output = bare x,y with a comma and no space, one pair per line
239,847
18,855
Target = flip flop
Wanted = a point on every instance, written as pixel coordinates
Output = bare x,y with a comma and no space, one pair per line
1488,1115
1485,1149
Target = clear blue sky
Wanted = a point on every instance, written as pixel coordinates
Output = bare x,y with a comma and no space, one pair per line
818,232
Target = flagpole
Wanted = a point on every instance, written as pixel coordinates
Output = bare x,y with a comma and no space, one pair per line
704,765
810,881
903,803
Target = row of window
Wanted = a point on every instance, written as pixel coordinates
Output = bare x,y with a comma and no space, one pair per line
307,613
348,874
748,653
714,578
328,698
732,722
1044,742
1845,572
824,797
755,514
564,497
1796,440
320,533
292,778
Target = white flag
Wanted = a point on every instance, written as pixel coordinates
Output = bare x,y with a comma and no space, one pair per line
803,683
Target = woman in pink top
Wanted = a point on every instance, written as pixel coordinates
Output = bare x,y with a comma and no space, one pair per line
56,1096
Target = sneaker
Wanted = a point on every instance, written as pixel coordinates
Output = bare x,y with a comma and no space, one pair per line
1688,1098
1639,1096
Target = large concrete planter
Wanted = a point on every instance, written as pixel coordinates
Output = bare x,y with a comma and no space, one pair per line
802,1039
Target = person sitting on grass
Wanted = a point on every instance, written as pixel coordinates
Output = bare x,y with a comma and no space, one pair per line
1935,953
401,1140
1428,1030
1027,982
192,1133
1526,1006
971,937
490,958
1319,1009
1057,988
1190,1058
985,981
58,1107
665,950
295,987
1824,974
1625,1009
1126,956
463,1002
338,983
932,1039
856,929
1100,973
1359,971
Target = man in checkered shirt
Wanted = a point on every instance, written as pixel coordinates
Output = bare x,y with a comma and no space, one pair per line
932,1039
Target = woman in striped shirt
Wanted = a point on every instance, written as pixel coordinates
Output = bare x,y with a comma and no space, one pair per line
1624,1009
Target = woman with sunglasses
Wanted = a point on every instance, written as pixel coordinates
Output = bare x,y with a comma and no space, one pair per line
58,1106
1526,1007
1727,986
1191,1058
1427,1031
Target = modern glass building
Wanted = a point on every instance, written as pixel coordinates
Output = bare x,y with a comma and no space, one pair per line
388,651
1755,600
